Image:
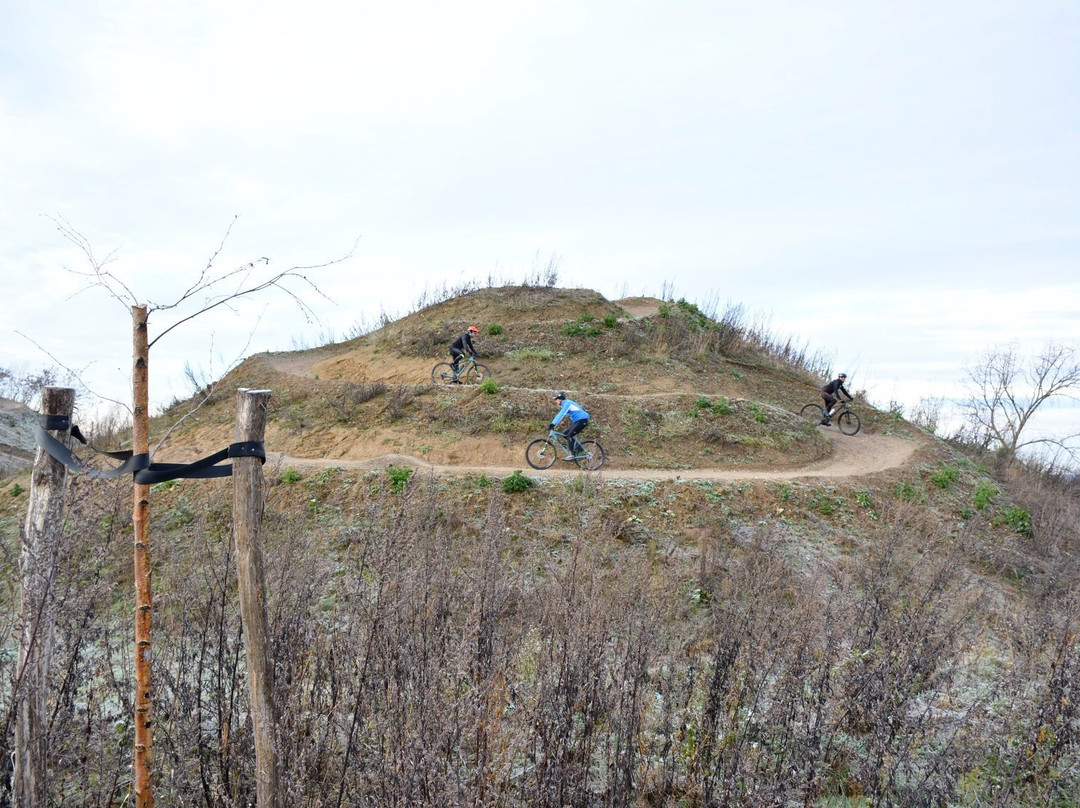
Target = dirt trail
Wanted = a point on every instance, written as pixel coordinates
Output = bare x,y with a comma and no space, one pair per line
851,457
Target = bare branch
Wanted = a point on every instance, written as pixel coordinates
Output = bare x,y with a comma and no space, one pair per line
98,275
210,390
1006,391
75,374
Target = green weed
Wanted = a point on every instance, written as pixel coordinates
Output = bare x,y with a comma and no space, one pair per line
16,490
489,386
944,477
290,476
582,327
516,482
494,329
983,494
610,321
399,475
1019,519
865,499
909,492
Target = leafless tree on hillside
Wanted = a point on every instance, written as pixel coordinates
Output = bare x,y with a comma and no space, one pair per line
1006,389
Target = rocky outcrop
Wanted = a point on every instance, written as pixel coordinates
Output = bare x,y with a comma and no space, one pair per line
16,436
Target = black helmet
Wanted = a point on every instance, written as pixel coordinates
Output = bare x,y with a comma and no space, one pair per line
560,396
842,376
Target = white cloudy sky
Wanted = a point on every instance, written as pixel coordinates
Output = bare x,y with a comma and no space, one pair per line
896,183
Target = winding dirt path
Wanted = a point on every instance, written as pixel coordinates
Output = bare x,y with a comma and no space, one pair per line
851,457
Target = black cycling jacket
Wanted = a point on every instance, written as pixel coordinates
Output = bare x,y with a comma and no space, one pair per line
835,385
464,344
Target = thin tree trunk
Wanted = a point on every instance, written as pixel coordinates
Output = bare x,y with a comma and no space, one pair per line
140,444
247,526
37,562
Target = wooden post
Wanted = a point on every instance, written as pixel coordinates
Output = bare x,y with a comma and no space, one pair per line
144,604
247,527
37,562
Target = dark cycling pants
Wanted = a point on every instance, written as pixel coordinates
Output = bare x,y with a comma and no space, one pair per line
830,401
455,357
575,428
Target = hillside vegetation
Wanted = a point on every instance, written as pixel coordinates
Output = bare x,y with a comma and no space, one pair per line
730,612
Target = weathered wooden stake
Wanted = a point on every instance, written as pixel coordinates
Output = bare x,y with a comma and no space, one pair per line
247,527
144,603
37,562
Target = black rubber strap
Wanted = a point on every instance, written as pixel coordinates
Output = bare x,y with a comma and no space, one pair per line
132,463
200,469
146,473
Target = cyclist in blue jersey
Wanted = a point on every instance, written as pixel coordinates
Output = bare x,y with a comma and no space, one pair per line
579,419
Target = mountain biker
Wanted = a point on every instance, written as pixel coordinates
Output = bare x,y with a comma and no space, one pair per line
579,419
459,346
828,392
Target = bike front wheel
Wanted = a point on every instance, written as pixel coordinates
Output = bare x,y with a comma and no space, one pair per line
477,373
541,454
848,422
442,373
812,413
592,456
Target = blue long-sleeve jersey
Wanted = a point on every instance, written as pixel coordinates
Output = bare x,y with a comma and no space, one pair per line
571,408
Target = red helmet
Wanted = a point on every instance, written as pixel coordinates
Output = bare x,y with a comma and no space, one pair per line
473,329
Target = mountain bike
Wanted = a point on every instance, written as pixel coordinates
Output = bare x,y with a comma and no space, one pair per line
846,420
469,372
543,452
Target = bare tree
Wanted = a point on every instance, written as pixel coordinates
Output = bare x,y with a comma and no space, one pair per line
1006,389
211,289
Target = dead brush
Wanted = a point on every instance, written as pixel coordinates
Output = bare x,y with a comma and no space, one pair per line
345,403
398,400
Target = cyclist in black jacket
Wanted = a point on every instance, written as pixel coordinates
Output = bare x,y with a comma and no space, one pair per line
462,344
829,391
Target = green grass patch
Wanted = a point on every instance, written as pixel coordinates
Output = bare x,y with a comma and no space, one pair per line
944,477
582,327
521,354
494,329
489,386
290,476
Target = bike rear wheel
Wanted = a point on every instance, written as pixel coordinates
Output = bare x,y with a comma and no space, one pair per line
848,422
593,455
541,453
476,373
442,373
813,413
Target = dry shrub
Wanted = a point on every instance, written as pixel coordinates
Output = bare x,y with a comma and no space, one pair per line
345,403
439,648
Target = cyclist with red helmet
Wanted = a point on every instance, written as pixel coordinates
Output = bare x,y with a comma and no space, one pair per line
829,391
462,344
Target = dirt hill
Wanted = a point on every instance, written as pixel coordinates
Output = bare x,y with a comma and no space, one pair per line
664,403
741,607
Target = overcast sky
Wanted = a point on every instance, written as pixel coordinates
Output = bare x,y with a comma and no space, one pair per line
897,184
